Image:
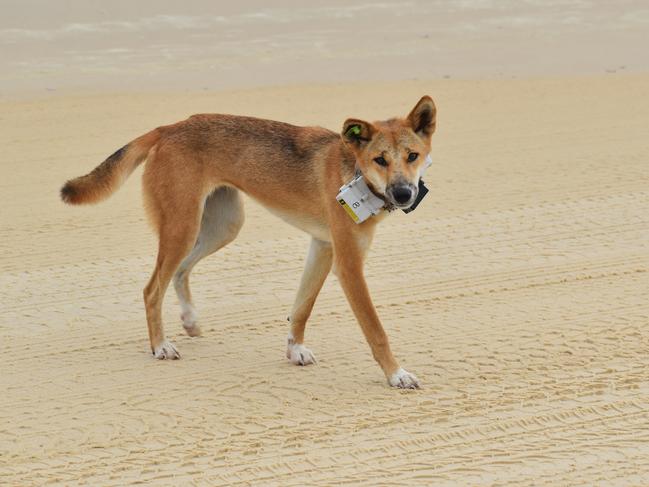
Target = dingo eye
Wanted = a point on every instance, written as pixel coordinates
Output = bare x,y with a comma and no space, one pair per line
381,161
412,157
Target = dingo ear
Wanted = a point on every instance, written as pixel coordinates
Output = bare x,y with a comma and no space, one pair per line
422,118
357,132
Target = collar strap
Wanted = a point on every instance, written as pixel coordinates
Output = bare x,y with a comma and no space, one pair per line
387,206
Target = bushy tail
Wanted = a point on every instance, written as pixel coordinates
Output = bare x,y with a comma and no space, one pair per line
108,176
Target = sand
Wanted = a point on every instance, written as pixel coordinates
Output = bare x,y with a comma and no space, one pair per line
206,45
517,292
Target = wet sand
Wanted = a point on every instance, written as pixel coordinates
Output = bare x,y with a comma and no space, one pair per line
91,45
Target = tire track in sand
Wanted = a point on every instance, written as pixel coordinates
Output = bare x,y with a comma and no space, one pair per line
517,292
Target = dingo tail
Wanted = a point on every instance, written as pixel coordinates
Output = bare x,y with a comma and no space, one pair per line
108,176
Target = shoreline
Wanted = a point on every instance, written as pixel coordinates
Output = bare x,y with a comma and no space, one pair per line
74,92
201,45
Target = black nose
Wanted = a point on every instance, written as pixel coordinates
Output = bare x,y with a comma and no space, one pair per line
402,194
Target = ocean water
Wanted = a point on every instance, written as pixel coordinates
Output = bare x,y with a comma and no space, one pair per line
89,45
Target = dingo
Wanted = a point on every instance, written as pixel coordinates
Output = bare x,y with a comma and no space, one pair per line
191,182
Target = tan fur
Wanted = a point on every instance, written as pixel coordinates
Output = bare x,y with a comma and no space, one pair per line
195,169
106,178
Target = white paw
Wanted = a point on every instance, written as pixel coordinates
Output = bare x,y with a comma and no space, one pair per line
166,351
403,380
298,354
190,318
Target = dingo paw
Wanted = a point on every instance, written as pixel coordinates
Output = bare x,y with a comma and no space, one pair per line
166,351
298,354
189,318
403,380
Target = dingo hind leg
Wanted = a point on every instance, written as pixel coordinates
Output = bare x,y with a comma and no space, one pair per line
222,219
176,213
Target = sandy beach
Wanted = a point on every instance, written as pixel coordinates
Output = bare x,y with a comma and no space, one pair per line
521,303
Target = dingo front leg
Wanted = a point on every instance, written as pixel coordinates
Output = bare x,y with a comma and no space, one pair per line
349,267
318,264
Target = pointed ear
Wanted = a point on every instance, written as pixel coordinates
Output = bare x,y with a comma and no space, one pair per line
357,132
422,118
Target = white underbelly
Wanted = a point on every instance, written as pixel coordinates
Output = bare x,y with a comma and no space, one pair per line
307,224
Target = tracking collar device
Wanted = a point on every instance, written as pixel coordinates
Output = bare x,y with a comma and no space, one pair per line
358,201
361,203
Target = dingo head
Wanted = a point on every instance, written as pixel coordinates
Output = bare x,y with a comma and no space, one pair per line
391,154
